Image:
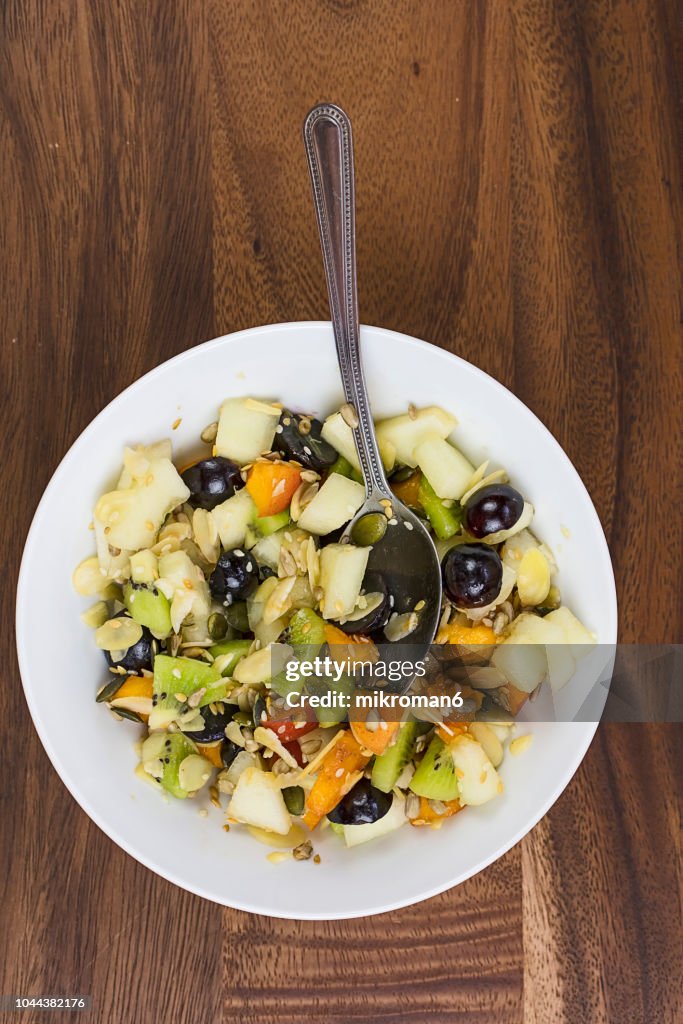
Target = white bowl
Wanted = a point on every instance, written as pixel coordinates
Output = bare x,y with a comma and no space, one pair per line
61,669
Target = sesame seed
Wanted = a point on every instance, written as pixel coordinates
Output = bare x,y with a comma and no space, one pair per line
180,697
393,522
339,772
279,428
203,813
408,526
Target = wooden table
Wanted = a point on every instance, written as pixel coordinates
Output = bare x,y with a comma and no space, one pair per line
519,202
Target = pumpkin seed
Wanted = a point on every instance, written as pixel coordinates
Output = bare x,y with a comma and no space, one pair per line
217,625
109,690
130,716
369,529
236,616
294,799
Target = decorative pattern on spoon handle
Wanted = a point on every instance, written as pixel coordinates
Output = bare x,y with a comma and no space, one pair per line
329,148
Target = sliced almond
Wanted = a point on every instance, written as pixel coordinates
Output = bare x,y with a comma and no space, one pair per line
87,578
205,534
118,634
140,705
194,772
280,600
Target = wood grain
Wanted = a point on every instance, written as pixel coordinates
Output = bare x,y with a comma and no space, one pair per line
519,202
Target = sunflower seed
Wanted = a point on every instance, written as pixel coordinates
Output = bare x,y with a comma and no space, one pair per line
209,434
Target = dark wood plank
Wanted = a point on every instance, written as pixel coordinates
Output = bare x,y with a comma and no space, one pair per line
519,202
106,269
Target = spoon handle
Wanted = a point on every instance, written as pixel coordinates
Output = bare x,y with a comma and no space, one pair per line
329,148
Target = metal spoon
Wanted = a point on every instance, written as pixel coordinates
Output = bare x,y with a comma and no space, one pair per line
405,556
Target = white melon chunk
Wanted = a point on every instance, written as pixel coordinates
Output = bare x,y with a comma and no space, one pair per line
478,780
183,584
246,428
406,432
114,561
339,434
574,632
342,568
446,469
232,518
521,657
335,504
133,515
561,664
258,801
267,549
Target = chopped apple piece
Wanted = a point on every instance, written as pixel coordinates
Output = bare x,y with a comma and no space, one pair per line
521,657
258,801
406,432
478,780
342,568
183,584
574,632
132,516
335,504
339,434
447,469
233,517
246,428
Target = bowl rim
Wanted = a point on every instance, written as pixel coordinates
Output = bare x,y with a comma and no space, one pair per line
587,729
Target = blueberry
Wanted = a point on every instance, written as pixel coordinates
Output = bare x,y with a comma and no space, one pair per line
214,724
139,656
361,806
212,481
235,577
298,437
493,508
229,752
472,575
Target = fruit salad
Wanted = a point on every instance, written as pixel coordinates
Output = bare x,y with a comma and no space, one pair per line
202,565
